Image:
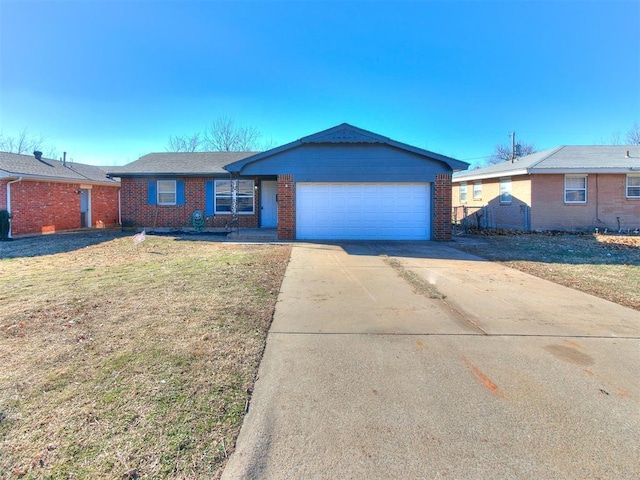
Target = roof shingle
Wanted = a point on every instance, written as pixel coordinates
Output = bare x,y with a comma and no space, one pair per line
564,159
181,163
18,165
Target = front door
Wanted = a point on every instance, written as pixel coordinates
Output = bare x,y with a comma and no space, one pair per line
85,211
268,204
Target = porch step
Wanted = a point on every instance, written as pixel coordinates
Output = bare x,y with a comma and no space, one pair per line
254,235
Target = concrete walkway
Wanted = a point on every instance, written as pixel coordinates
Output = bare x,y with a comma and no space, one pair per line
509,376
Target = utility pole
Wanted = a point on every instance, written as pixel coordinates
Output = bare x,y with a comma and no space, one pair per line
513,146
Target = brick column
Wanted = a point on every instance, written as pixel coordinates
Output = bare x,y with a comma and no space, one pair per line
286,208
442,207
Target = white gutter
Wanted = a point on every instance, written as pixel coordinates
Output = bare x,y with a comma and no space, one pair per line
483,176
19,179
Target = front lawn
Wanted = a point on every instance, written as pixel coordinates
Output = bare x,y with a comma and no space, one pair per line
125,360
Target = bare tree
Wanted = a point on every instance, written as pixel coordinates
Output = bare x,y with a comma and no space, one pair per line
268,144
20,143
25,143
184,143
633,135
616,138
224,135
502,152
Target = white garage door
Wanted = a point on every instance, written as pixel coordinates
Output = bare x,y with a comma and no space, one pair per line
363,211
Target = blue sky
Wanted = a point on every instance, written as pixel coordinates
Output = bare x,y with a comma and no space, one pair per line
111,81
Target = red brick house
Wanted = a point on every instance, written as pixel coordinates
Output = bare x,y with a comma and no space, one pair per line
341,183
161,191
568,188
45,196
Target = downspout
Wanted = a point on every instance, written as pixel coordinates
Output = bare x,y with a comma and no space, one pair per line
119,207
19,179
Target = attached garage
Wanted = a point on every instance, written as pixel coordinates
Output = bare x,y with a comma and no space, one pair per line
363,211
346,183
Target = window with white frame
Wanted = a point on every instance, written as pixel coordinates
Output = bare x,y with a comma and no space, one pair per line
244,197
477,190
167,192
575,189
463,192
633,186
505,190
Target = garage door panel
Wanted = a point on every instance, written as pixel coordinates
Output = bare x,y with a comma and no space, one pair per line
363,211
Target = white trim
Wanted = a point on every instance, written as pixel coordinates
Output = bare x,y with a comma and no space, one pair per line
215,196
505,202
573,189
626,186
577,171
175,192
463,187
475,184
88,219
543,171
40,178
17,180
487,176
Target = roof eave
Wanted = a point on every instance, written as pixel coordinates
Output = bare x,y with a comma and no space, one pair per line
42,178
166,174
584,170
486,176
456,165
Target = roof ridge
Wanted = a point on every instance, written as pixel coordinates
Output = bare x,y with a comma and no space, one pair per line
203,153
555,150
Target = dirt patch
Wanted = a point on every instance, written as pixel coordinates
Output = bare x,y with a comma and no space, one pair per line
607,266
129,359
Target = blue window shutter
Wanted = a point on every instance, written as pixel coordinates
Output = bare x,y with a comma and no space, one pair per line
153,193
180,192
208,198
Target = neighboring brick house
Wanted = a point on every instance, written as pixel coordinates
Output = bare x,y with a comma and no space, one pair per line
568,188
45,196
341,183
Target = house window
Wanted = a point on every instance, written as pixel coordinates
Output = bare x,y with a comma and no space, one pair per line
463,192
575,189
505,190
244,197
167,192
633,186
477,190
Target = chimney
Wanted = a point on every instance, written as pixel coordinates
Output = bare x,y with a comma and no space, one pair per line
38,155
64,159
626,155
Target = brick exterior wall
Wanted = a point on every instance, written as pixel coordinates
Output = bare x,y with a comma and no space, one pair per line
136,212
46,207
286,208
488,211
544,194
442,207
606,201
3,194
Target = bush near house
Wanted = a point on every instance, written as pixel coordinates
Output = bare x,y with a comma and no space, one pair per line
5,219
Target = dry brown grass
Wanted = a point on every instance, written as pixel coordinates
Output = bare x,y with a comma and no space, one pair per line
121,359
607,266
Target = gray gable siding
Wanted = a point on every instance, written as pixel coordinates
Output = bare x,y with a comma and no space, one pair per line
348,163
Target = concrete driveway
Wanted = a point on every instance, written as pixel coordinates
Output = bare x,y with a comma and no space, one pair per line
509,376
